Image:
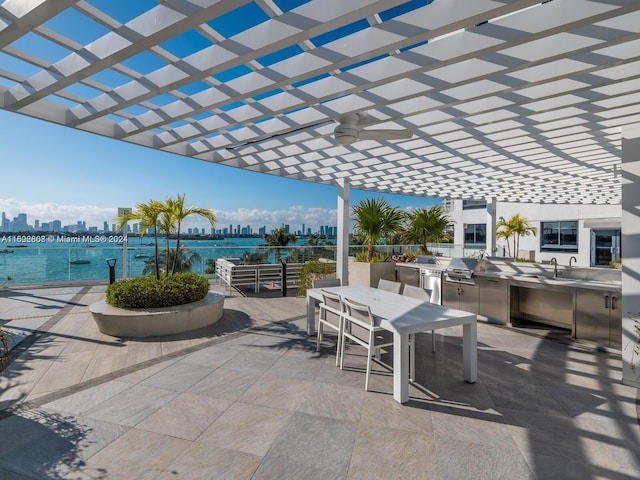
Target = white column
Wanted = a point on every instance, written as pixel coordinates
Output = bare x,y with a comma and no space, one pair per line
491,227
342,240
630,253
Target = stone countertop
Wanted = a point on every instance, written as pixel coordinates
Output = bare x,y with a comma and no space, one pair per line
540,280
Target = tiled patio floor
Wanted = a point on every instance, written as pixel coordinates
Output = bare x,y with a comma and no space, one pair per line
251,399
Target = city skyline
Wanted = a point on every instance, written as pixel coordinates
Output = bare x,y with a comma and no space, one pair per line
20,224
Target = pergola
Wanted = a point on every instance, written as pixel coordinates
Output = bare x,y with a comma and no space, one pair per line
512,100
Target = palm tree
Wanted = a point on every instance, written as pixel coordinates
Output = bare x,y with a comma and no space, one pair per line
516,227
178,212
148,214
279,238
427,225
374,220
182,262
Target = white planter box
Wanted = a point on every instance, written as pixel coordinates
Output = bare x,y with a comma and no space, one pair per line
369,274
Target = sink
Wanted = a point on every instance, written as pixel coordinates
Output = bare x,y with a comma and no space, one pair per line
546,277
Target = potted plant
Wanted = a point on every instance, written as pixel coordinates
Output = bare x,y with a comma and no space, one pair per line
171,299
375,219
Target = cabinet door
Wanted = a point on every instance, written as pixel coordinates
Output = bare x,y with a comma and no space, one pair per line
592,315
450,295
493,301
468,298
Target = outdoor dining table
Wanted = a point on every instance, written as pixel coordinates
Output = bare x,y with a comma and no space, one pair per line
404,316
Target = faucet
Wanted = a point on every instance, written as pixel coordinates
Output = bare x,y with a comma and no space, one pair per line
573,259
555,266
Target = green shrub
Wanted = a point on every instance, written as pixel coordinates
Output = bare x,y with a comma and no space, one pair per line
312,270
377,257
147,292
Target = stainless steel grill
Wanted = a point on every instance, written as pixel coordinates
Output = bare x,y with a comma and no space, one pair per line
461,270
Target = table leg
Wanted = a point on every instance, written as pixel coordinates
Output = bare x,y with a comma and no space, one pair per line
311,316
401,367
470,351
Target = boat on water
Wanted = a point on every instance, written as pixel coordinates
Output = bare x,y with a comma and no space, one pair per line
141,255
6,250
80,261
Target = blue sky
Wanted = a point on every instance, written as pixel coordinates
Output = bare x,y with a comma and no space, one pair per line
52,172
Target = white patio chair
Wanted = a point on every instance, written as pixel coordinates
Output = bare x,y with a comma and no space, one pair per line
389,286
360,327
331,315
421,294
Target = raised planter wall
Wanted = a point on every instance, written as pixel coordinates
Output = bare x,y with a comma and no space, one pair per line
156,322
369,274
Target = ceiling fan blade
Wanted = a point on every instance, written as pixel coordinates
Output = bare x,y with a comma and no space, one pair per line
276,135
385,134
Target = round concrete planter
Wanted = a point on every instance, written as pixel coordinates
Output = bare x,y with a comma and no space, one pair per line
155,322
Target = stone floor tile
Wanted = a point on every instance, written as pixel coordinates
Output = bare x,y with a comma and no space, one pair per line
45,444
273,467
384,453
457,459
85,399
186,416
225,383
177,377
252,361
315,442
333,401
383,411
203,461
135,454
246,428
131,406
277,392
210,357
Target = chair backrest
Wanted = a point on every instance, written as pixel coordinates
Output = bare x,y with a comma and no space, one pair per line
359,312
389,286
326,282
332,301
417,292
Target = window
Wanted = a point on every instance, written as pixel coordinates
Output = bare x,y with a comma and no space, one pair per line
470,204
559,236
475,234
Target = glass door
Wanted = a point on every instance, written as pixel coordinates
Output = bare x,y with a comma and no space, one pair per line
605,247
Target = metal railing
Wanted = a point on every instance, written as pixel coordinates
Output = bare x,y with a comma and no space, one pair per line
42,264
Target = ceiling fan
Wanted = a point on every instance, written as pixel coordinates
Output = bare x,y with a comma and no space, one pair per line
350,129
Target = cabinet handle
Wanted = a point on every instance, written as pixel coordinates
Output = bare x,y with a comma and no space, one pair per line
613,302
606,301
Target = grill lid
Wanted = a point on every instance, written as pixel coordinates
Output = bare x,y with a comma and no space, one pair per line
461,267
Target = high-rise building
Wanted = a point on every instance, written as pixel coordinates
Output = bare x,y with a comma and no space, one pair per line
105,226
56,226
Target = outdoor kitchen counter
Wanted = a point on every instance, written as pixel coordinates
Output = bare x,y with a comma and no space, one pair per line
542,280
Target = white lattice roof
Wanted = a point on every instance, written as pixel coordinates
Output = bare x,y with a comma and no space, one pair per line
515,99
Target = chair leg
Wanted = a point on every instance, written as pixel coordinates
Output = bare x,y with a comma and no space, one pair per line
369,354
342,352
319,337
339,341
433,340
366,381
412,356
